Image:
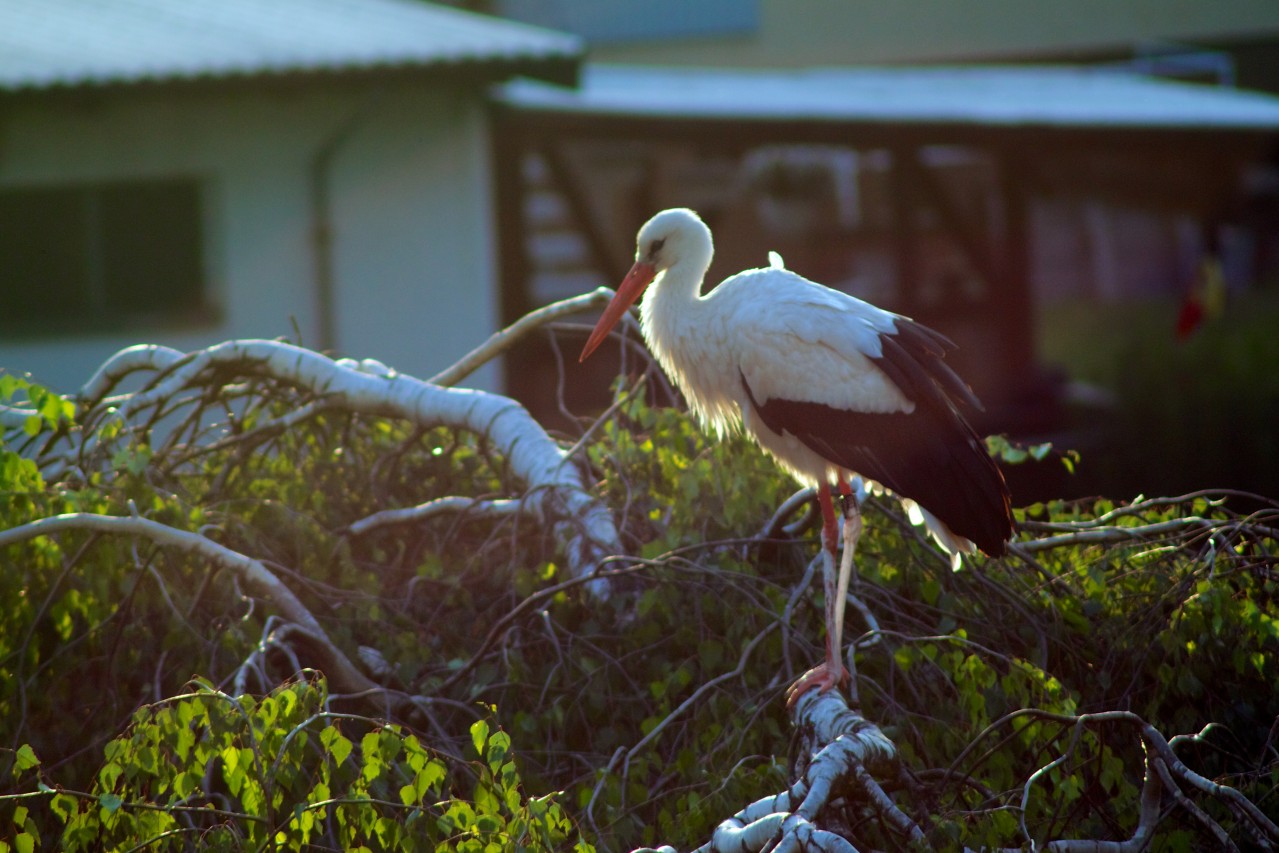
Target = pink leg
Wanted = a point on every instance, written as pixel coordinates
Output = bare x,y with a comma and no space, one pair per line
830,673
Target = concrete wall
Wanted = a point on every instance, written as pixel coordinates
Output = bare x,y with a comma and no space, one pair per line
825,32
416,258
413,245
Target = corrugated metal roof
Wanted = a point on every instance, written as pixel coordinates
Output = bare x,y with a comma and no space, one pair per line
63,43
1003,96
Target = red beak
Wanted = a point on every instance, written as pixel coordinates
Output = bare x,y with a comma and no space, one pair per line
627,293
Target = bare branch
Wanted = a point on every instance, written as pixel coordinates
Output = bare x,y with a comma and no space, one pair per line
15,417
500,342
130,360
256,576
440,506
556,493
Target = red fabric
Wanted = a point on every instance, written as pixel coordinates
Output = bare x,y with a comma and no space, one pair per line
1190,317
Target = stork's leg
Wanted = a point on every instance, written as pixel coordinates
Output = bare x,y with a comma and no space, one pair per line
852,529
831,672
852,532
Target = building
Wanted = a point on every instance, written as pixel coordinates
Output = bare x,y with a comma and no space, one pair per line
814,33
1059,250
934,191
188,173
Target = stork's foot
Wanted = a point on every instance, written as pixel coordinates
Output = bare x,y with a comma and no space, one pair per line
821,677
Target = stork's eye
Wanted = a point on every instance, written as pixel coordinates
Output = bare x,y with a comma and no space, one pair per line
656,246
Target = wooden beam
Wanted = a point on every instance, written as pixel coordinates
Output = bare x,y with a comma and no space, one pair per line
975,245
601,250
1013,289
731,134
507,155
511,242
905,244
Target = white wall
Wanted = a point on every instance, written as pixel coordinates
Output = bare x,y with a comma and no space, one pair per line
413,245
416,256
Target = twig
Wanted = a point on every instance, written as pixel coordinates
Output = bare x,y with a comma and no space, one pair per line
253,572
493,509
500,342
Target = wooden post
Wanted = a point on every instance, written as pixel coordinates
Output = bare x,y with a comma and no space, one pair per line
1013,289
512,239
905,244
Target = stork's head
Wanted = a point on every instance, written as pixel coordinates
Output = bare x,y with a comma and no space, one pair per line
673,237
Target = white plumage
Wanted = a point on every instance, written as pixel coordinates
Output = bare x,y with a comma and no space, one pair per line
828,384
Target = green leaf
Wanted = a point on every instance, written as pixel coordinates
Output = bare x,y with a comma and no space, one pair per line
488,823
431,777
64,806
185,783
336,744
110,802
10,384
25,759
479,735
231,757
460,815
499,745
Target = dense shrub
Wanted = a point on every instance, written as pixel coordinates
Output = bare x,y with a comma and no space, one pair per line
153,700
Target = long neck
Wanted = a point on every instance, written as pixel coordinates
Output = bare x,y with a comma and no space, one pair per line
675,295
671,315
685,334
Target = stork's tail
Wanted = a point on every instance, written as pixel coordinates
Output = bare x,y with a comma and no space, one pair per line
952,543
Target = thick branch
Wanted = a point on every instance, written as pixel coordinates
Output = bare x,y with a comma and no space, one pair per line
838,747
129,360
556,492
15,417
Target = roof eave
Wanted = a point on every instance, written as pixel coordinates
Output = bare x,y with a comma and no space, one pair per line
562,69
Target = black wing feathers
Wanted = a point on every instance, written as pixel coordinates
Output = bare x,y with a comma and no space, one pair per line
930,455
917,351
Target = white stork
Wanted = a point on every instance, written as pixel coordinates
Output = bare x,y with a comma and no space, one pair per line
826,383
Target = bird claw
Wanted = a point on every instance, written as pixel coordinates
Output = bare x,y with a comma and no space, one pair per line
820,677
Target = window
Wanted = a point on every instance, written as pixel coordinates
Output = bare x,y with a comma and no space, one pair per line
100,256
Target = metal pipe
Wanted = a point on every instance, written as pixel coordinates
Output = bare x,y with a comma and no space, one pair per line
319,179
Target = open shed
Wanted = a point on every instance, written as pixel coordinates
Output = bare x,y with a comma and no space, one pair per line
912,187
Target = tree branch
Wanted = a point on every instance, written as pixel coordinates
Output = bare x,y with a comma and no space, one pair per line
556,492
500,342
440,506
256,576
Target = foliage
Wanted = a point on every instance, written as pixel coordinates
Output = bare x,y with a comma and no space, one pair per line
1185,414
234,773
657,712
